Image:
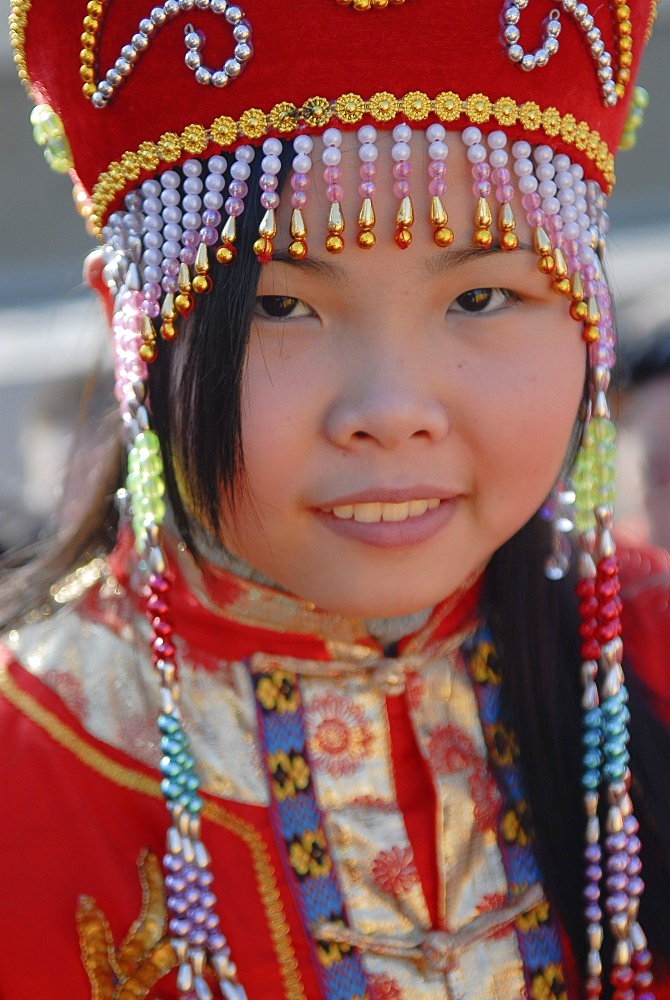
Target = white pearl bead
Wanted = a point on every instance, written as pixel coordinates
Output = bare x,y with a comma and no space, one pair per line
497,139
332,137
498,158
401,151
471,135
302,163
240,170
170,179
331,156
366,134
561,161
368,152
543,154
217,164
245,153
271,164
521,149
527,184
436,132
544,171
303,144
477,153
551,206
402,133
523,167
272,147
438,150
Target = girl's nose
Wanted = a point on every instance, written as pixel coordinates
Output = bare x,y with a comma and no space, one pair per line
387,401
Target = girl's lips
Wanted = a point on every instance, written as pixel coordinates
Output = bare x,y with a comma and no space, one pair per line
411,530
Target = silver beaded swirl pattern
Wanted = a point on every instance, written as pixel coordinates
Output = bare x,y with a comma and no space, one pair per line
549,45
194,41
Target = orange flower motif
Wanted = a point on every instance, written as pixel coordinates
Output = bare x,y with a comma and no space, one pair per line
340,736
394,871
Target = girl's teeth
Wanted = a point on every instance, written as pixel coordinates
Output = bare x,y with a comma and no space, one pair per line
371,513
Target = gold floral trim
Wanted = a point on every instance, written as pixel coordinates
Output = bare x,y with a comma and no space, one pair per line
348,109
127,777
18,17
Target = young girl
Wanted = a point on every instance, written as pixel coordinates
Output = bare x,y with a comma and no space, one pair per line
362,344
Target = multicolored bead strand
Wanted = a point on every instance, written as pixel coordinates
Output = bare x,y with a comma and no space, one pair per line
267,230
234,204
402,172
481,188
332,175
300,183
502,178
368,153
532,203
438,150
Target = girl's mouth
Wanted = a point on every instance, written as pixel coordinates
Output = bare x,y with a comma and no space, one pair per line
371,513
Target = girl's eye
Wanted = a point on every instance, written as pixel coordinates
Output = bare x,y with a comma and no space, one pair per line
483,300
281,307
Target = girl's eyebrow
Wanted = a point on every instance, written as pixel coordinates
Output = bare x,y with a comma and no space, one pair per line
435,265
326,269
438,264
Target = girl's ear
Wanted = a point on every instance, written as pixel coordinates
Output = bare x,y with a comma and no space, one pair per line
93,266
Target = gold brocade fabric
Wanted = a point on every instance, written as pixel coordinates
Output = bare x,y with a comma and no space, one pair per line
95,656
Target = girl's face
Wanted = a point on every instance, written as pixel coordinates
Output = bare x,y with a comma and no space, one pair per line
404,412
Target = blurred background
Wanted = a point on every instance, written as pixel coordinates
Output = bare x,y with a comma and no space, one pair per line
52,335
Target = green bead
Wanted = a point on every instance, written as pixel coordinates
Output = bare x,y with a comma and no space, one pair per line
195,805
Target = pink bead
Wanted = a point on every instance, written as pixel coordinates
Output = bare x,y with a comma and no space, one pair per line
437,168
531,201
150,308
482,189
331,175
481,171
437,188
268,182
505,192
402,170
368,171
298,199
300,182
401,189
335,192
187,256
536,218
234,206
270,199
366,189
238,189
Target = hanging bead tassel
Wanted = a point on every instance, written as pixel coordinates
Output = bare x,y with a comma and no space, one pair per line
234,205
504,191
438,150
481,172
184,300
368,154
332,175
402,172
302,164
271,164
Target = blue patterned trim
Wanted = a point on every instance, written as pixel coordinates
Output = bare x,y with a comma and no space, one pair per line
537,931
298,819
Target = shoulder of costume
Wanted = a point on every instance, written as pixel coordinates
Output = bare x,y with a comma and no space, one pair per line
645,590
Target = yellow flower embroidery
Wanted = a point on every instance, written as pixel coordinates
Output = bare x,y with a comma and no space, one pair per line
530,115
581,136
349,108
130,164
548,984
478,108
309,856
276,692
169,147
316,111
147,154
506,111
504,746
534,918
253,123
568,128
383,106
416,105
223,130
284,117
448,106
551,121
484,666
512,829
290,774
194,139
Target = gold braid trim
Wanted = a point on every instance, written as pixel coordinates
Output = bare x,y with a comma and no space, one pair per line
317,112
127,777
